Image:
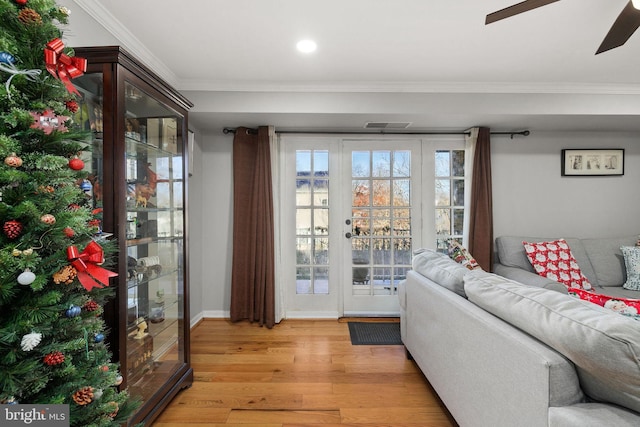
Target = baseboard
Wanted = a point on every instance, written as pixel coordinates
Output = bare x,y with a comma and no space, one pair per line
208,314
312,315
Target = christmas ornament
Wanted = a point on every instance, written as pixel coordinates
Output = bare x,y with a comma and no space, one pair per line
97,394
48,121
72,311
104,368
86,262
72,106
85,185
76,164
46,189
65,11
48,219
30,341
115,409
12,228
21,2
7,58
91,305
63,67
98,338
13,161
54,358
74,207
29,17
66,275
119,380
84,396
7,65
18,252
68,231
26,277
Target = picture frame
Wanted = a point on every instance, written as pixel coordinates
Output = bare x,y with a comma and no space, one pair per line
593,162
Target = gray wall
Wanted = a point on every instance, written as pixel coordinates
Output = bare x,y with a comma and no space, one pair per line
530,197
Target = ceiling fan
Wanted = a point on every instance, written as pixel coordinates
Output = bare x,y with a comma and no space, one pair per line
625,25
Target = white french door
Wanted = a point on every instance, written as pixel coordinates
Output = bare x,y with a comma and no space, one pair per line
352,212
380,211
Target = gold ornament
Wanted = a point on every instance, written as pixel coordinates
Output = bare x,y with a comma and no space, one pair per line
66,275
84,396
29,17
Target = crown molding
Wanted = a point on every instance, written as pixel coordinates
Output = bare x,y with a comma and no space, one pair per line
131,43
411,87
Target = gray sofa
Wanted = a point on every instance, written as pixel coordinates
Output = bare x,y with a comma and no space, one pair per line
600,260
477,349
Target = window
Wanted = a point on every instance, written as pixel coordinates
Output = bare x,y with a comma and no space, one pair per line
312,222
449,192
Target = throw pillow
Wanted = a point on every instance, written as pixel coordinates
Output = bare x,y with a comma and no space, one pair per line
555,261
461,255
603,345
625,306
632,263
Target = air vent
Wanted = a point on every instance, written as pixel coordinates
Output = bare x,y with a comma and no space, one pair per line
387,125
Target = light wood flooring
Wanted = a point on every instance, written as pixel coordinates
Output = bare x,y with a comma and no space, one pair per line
300,373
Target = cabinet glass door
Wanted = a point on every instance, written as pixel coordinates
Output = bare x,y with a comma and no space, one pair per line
154,240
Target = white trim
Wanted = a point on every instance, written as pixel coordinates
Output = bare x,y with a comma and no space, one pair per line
130,42
312,315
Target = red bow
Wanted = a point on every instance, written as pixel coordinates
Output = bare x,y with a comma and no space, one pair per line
89,274
62,66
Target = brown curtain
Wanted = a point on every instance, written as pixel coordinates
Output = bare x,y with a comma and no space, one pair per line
252,275
481,209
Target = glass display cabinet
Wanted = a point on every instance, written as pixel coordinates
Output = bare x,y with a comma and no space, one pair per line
137,184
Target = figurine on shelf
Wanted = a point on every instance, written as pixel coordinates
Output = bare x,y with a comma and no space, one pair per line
142,327
143,193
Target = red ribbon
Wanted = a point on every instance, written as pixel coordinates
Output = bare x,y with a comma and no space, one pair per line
62,66
86,262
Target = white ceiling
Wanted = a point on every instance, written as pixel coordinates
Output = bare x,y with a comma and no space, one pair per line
431,62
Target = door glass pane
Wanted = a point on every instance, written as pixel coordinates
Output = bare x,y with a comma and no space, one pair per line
449,190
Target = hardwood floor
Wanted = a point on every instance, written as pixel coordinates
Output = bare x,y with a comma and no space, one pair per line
300,373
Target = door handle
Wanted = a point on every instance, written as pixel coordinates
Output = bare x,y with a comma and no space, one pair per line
347,235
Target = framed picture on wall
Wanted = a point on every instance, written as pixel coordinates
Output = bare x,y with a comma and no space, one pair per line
593,162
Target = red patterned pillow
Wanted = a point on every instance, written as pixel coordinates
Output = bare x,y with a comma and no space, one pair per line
626,306
555,261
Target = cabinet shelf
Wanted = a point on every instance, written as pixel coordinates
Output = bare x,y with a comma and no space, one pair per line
137,174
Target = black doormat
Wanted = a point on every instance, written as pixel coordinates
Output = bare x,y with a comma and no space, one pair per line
375,333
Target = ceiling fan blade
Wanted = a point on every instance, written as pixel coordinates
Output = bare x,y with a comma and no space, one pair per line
626,24
516,9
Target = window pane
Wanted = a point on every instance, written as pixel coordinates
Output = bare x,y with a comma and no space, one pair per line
458,192
442,163
443,221
303,251
321,192
457,163
360,162
382,227
401,192
458,220
321,251
321,221
360,189
401,164
303,162
381,164
321,280
303,192
443,192
303,280
321,162
381,193
303,221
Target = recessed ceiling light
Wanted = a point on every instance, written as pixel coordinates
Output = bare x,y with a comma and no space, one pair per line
307,46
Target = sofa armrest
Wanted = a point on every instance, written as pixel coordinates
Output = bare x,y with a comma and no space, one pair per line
528,278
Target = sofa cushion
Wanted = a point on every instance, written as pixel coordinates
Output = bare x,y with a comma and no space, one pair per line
632,264
441,269
606,258
554,260
604,346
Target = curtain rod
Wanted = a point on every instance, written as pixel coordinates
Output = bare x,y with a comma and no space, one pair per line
228,130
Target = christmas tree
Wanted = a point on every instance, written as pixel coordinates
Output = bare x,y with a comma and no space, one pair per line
53,283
